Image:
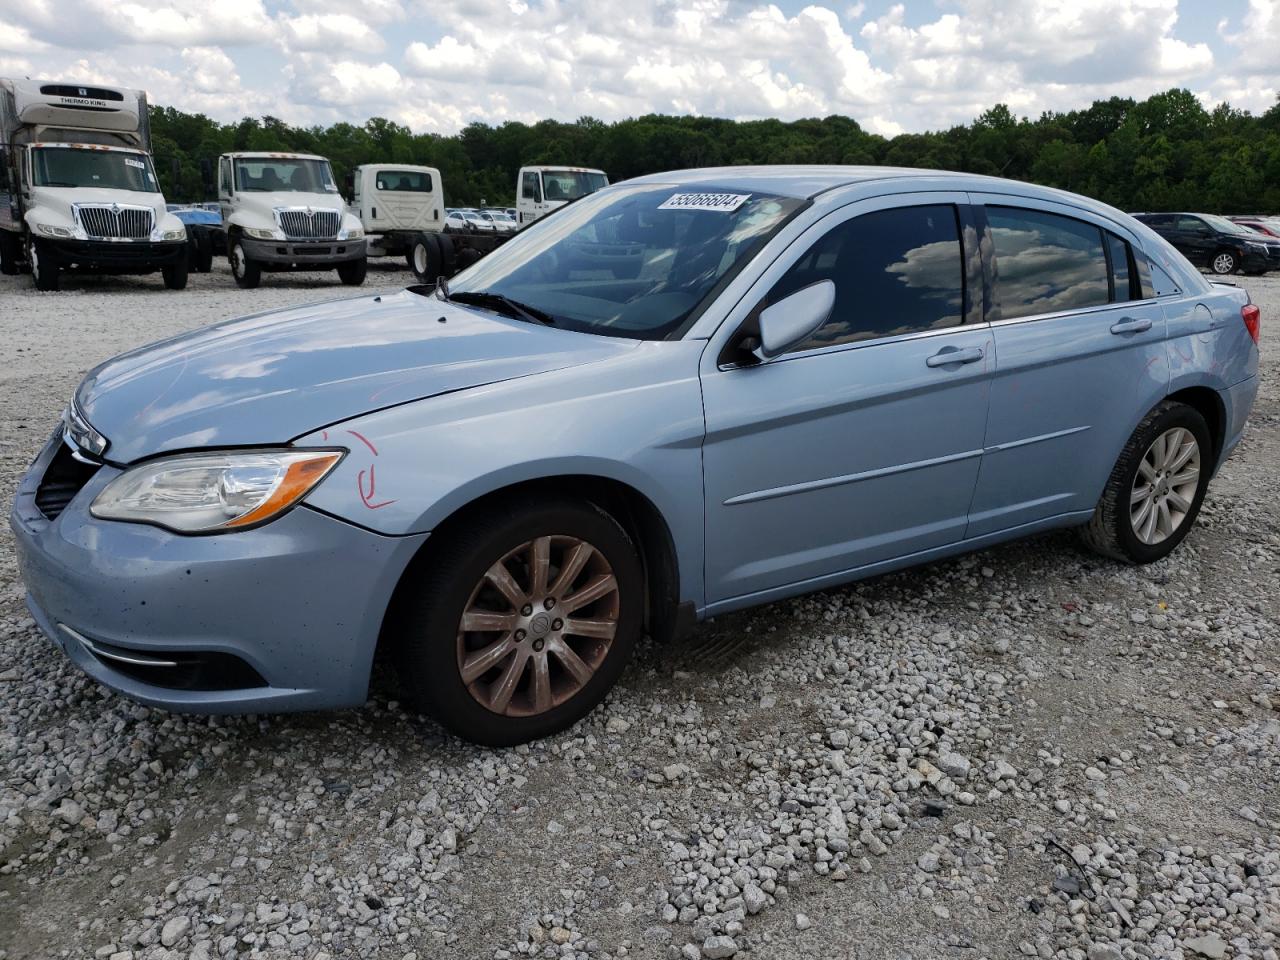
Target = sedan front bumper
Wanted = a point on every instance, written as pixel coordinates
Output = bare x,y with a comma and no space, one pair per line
282,617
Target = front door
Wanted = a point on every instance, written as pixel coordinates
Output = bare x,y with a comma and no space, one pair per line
862,444
1080,358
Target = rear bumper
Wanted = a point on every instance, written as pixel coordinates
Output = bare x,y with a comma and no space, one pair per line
125,256
1238,401
288,254
299,601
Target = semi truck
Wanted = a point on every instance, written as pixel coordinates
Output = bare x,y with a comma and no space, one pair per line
78,190
539,190
283,211
401,207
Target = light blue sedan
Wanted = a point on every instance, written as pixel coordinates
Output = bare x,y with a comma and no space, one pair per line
683,395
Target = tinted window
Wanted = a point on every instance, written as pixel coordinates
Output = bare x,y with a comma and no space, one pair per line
895,271
1118,250
1192,225
1045,263
414,181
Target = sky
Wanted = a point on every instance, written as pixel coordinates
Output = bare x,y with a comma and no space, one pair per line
437,65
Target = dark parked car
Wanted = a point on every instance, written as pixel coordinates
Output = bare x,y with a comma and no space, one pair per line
1215,242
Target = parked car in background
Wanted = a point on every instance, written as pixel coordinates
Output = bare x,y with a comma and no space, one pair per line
463,219
500,219
1268,226
1215,242
820,374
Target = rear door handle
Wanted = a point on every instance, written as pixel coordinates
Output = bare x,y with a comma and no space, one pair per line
1131,326
950,355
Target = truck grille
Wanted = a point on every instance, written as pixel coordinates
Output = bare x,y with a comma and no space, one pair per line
309,225
115,221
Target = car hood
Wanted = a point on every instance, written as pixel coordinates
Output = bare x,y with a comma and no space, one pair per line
270,378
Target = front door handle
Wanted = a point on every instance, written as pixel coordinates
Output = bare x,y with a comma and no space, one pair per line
950,355
1129,325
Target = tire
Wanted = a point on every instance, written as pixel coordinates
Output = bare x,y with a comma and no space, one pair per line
448,254
1224,262
431,647
247,273
425,259
10,257
202,261
352,272
1118,528
175,274
45,272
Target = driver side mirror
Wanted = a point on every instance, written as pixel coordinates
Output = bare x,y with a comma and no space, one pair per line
793,319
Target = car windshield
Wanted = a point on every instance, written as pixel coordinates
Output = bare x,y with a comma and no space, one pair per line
571,184
76,167
1223,225
633,261
284,175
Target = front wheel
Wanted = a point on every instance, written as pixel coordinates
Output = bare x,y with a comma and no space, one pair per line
45,272
1224,262
518,625
352,272
247,273
1156,487
175,274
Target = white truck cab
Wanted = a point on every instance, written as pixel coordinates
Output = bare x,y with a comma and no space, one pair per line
396,202
283,211
539,190
78,190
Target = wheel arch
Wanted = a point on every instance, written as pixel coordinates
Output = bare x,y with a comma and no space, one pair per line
630,507
1208,403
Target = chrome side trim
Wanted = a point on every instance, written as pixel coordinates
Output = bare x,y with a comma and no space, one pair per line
774,492
1081,312
135,659
1013,444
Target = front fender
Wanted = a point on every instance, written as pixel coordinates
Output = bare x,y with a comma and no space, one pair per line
635,419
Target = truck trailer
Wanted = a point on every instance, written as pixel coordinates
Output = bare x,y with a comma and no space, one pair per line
78,191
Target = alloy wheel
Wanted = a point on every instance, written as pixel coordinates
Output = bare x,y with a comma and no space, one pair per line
1224,263
538,626
1165,486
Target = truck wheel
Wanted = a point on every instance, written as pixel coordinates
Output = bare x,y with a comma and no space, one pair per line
9,258
202,260
246,272
425,258
175,274
44,269
352,272
448,254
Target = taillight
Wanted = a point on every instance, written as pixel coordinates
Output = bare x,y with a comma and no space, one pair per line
1252,317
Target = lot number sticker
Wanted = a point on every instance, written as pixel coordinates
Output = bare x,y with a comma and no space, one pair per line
135,163
719,202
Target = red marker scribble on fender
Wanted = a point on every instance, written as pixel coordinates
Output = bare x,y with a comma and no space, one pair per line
367,496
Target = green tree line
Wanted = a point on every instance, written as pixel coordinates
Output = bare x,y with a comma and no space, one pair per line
1163,153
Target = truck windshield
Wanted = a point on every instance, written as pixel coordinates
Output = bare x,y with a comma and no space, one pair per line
79,167
631,261
284,175
570,184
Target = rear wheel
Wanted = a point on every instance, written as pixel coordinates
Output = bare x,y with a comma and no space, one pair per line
247,273
518,626
45,272
1156,487
202,252
425,258
1224,262
175,274
352,272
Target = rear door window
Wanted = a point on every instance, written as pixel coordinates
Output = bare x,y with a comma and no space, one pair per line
896,271
1045,263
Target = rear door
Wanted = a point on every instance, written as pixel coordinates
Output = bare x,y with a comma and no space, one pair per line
1081,358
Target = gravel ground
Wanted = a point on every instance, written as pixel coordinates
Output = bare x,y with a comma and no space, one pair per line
1026,751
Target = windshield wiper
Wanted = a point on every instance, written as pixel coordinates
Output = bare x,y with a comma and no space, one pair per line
57,183
514,308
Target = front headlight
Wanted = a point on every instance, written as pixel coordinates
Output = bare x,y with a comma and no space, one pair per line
1258,247
259,234
51,231
355,233
179,234
214,492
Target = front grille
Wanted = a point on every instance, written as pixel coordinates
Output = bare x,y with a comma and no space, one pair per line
115,222
63,479
313,225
